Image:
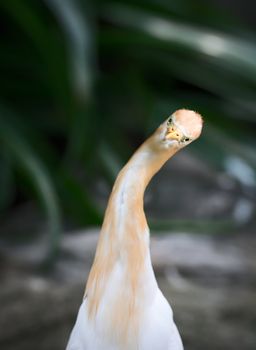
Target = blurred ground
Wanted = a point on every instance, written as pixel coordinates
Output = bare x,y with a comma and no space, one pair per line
209,282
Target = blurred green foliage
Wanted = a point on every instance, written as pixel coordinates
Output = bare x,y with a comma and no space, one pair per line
83,82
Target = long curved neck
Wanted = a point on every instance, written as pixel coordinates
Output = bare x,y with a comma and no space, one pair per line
126,200
124,238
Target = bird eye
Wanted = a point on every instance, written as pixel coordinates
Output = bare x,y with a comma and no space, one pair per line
169,121
186,139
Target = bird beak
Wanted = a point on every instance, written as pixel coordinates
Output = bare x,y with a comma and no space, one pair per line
173,133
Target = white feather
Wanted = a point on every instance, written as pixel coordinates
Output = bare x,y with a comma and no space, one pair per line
157,330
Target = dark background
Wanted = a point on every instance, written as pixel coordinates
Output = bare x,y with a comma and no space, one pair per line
83,83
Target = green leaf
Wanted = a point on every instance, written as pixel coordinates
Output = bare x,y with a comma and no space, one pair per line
77,28
47,43
225,50
24,157
76,200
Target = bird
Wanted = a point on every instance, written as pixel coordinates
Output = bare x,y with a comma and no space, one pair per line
123,307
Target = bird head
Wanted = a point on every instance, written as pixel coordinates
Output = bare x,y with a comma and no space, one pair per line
180,129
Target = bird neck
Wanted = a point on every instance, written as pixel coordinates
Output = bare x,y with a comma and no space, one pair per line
124,238
125,218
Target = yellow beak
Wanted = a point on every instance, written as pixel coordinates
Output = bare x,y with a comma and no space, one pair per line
173,133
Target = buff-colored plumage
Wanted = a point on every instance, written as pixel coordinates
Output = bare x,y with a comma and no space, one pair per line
123,308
